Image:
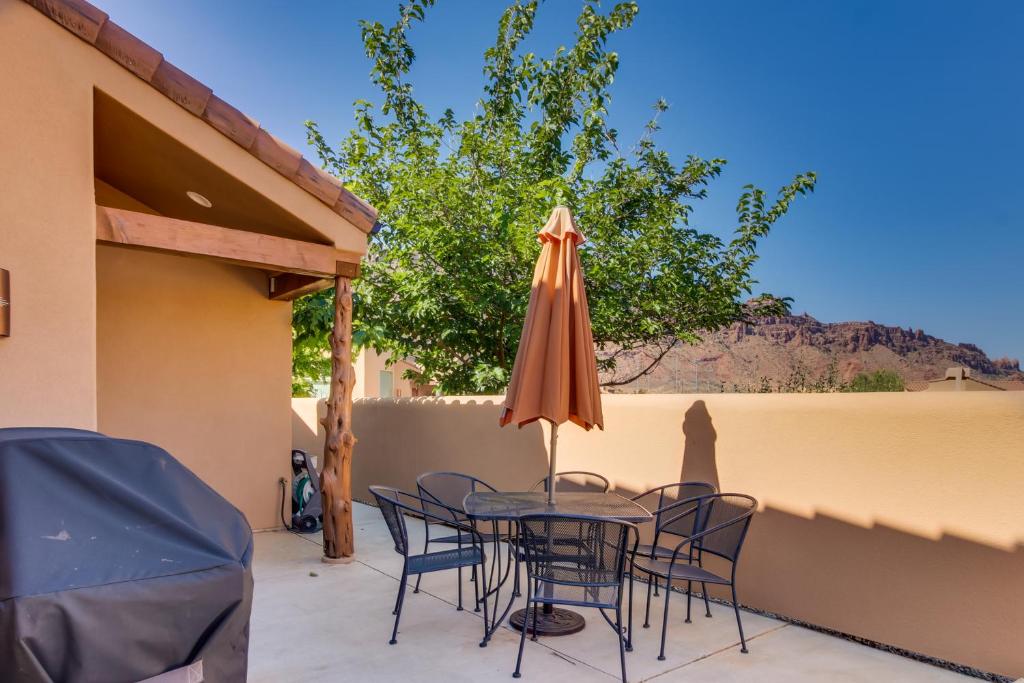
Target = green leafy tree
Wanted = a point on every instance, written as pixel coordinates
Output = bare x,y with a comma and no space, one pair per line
879,380
448,275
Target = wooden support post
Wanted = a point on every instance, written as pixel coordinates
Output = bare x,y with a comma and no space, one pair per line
336,475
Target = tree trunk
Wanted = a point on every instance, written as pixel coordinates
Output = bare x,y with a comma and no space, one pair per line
336,475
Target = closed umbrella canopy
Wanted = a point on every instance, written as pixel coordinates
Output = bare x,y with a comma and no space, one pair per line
555,373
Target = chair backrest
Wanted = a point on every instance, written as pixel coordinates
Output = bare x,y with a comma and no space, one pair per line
722,522
673,499
449,488
575,481
388,500
394,504
576,550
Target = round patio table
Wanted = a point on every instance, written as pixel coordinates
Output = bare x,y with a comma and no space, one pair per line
497,507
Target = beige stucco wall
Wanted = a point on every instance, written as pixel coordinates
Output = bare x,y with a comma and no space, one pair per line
47,214
194,358
47,233
187,354
894,517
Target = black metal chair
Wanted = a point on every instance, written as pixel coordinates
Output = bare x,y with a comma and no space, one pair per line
394,505
575,560
667,502
591,482
449,489
720,524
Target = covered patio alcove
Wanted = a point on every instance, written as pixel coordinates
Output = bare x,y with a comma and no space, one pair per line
193,306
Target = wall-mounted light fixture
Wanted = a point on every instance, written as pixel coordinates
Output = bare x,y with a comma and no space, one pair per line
5,303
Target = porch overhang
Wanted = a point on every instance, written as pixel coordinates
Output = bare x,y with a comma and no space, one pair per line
296,267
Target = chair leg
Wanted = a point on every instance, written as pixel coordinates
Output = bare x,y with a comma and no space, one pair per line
426,544
629,628
533,636
647,608
703,586
689,595
476,590
522,634
655,585
398,607
664,619
459,608
739,624
483,643
515,584
622,640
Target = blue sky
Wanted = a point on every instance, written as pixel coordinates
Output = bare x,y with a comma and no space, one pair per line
912,113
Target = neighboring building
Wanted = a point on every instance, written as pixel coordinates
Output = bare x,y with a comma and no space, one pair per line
957,379
183,340
374,379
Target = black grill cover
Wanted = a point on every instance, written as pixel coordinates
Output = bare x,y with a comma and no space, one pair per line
116,563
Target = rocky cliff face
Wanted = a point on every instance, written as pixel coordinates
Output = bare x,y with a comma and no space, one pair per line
738,357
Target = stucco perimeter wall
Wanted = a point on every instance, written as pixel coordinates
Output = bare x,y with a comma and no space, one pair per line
47,232
194,358
893,517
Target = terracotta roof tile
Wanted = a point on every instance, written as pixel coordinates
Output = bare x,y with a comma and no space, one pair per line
230,122
128,51
77,16
92,25
180,87
326,187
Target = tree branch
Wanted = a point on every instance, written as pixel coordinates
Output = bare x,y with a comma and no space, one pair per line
653,364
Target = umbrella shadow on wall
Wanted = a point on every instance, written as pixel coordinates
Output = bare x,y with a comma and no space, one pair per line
699,462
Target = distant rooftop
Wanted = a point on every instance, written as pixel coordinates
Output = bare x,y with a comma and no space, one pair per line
960,379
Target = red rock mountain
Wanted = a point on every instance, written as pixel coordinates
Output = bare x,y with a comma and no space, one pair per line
735,359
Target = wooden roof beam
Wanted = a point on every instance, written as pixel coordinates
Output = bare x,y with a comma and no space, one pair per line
239,247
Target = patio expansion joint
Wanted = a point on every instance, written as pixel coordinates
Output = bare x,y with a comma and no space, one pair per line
716,652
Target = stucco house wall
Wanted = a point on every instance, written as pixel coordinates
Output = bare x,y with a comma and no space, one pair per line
193,357
47,231
190,355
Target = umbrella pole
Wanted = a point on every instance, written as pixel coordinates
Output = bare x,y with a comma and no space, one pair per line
551,463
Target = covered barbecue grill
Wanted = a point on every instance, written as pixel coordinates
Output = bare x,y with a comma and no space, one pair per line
117,563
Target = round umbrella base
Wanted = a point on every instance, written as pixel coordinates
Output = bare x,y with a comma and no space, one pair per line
558,622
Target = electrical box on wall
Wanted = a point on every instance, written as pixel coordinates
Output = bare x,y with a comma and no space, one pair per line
5,303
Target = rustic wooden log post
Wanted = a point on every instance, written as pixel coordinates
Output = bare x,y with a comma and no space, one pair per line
336,474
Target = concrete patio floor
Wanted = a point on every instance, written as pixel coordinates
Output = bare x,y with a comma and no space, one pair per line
317,622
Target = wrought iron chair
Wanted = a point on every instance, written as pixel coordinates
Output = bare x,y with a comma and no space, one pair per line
449,489
591,482
720,525
591,574
394,505
668,502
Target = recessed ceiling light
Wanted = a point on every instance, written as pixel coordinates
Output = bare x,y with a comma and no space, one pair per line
199,199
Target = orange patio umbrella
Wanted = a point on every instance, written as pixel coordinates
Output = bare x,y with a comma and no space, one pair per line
555,373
